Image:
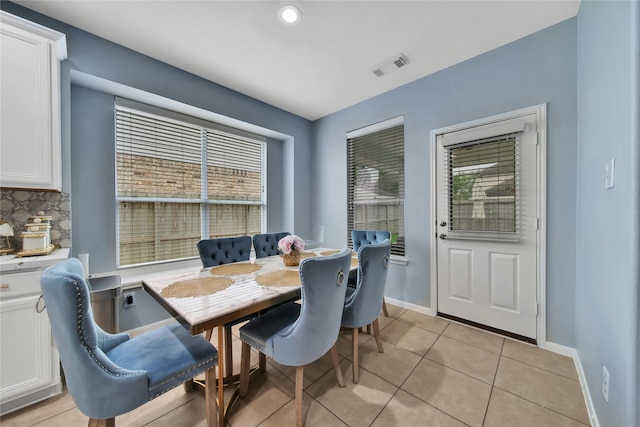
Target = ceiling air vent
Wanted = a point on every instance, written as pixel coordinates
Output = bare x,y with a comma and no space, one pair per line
390,65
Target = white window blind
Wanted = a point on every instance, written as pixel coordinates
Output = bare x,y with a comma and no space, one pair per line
375,183
157,157
234,167
179,182
234,184
482,187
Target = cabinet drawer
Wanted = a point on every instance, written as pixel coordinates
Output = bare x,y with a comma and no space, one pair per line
19,284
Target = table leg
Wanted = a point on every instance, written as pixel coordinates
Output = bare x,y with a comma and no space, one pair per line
221,406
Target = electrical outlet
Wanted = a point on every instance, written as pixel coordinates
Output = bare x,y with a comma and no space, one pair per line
129,300
605,383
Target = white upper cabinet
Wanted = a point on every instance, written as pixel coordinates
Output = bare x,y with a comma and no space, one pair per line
30,151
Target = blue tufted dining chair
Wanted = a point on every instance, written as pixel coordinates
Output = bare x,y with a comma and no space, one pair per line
223,251
267,244
297,334
110,374
214,252
362,304
364,237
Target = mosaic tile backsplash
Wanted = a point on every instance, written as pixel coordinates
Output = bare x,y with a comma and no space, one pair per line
16,206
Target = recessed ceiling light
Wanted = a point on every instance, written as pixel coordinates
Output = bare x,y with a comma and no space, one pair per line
289,14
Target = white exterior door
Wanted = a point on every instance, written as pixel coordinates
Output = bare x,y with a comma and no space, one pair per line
487,224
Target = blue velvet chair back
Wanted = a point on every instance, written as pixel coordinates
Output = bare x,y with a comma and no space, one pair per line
95,383
364,237
111,374
324,284
363,303
298,334
224,251
267,244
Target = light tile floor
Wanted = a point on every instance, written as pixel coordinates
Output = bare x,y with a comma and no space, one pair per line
432,373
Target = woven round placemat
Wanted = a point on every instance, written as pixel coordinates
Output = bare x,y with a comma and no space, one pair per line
233,269
327,253
196,287
304,255
354,256
279,278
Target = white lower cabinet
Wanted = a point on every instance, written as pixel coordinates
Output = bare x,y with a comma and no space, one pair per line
29,362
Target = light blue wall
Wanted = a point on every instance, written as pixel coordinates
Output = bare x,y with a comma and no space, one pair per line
88,142
536,69
585,69
607,254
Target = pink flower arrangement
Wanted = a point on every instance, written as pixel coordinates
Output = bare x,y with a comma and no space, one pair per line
291,243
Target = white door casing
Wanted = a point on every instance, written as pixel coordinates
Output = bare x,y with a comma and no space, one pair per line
486,270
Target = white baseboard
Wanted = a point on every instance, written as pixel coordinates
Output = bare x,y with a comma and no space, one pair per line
414,307
572,353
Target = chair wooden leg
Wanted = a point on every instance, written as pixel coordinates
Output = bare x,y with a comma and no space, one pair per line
336,365
354,341
369,328
384,308
210,397
376,334
299,394
188,386
109,422
221,352
262,362
245,358
228,354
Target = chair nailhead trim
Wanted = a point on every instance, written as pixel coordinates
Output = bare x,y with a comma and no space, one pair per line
179,374
88,349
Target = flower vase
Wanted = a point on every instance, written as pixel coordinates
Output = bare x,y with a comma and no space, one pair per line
291,259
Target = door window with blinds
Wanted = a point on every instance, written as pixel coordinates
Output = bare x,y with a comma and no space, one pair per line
375,181
482,187
179,180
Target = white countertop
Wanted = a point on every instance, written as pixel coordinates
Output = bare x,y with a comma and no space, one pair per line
12,263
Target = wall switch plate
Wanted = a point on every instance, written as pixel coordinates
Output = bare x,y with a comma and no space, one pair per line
605,383
609,174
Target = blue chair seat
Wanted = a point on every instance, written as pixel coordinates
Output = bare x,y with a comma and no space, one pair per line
169,355
278,321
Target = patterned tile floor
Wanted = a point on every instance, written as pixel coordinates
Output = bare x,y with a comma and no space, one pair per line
432,373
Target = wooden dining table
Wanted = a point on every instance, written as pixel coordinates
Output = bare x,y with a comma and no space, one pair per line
212,297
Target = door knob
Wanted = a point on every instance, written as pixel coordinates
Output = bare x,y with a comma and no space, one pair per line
443,223
443,237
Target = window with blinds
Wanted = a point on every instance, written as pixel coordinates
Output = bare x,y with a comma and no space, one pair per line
180,181
375,182
482,188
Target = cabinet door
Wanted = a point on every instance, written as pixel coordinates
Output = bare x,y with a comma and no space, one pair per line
27,362
30,105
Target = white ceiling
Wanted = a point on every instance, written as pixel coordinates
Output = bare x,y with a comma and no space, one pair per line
324,63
